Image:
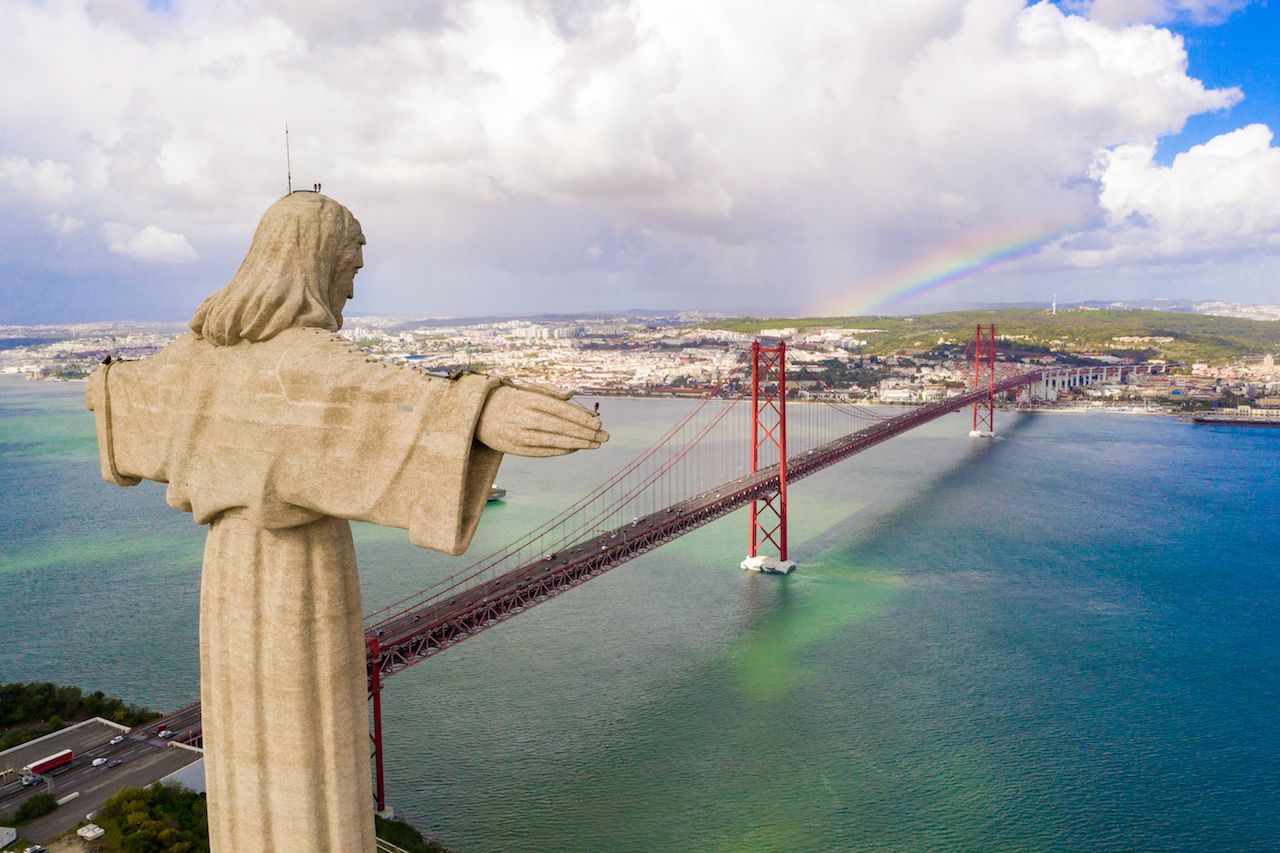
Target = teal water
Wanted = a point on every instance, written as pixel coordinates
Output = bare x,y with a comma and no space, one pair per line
1065,639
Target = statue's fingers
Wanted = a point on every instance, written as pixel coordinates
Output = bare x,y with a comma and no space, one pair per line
562,413
571,412
557,440
551,424
539,452
564,427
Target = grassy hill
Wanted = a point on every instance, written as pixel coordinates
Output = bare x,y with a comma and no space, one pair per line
1191,337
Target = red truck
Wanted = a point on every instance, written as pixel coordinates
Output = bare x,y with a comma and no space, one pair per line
44,765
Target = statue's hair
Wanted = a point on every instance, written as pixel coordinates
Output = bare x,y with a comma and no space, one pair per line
284,281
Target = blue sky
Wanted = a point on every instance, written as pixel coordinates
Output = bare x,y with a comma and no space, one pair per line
1241,51
597,155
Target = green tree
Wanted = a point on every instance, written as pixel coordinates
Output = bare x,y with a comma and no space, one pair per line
33,709
38,806
158,819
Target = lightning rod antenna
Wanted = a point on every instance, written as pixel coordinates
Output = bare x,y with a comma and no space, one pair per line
288,161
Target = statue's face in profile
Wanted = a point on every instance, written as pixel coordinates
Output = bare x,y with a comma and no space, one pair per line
344,275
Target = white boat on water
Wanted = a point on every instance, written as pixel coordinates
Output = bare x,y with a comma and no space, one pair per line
497,493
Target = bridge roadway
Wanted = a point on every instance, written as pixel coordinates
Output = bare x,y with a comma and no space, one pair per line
427,629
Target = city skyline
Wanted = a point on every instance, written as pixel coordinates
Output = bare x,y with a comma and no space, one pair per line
582,157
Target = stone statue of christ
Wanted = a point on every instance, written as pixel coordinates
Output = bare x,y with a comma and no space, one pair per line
275,431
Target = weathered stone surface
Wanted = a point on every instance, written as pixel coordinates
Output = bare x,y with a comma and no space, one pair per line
275,431
300,426
287,754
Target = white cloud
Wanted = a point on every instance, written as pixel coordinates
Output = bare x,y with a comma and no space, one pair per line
64,225
149,244
1121,12
45,182
1219,198
714,152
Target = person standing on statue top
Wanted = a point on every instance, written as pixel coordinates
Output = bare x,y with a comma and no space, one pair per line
275,431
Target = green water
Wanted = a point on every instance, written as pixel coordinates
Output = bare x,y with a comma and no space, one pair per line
1061,640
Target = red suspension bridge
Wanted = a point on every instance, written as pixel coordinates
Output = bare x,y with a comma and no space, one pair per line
737,446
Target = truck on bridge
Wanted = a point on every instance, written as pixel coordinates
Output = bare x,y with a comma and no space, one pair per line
44,765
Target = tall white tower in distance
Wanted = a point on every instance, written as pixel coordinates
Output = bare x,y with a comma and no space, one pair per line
1054,310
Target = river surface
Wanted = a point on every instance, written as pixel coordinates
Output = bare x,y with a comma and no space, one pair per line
1064,639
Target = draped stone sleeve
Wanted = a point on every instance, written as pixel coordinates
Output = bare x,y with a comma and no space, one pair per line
298,427
97,399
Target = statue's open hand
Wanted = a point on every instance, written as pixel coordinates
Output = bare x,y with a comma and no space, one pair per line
531,423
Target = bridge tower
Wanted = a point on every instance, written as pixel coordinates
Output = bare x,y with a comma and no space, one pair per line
768,432
375,693
984,361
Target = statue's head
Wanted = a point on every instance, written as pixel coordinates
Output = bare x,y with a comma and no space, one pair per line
299,272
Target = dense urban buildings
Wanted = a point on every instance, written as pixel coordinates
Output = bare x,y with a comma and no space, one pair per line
685,354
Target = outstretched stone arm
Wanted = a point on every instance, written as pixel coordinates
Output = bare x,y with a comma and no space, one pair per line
305,425
536,423
98,400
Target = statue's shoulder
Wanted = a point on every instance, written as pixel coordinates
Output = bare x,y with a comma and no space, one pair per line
185,343
317,349
186,349
308,338
175,355
179,350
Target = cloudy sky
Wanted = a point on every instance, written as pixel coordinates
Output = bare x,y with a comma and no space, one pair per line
815,156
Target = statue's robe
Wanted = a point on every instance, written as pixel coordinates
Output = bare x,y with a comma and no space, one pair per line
275,445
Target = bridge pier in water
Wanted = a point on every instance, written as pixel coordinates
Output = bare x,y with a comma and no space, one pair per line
769,433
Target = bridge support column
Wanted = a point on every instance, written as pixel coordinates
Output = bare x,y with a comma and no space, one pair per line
769,431
984,355
375,693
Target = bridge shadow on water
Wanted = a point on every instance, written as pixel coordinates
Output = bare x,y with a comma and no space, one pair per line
842,577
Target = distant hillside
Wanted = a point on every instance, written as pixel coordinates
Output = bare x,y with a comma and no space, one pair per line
1191,337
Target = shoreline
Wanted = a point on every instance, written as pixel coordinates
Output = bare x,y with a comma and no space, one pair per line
1126,409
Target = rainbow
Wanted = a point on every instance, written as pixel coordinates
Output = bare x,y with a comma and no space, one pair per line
950,264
